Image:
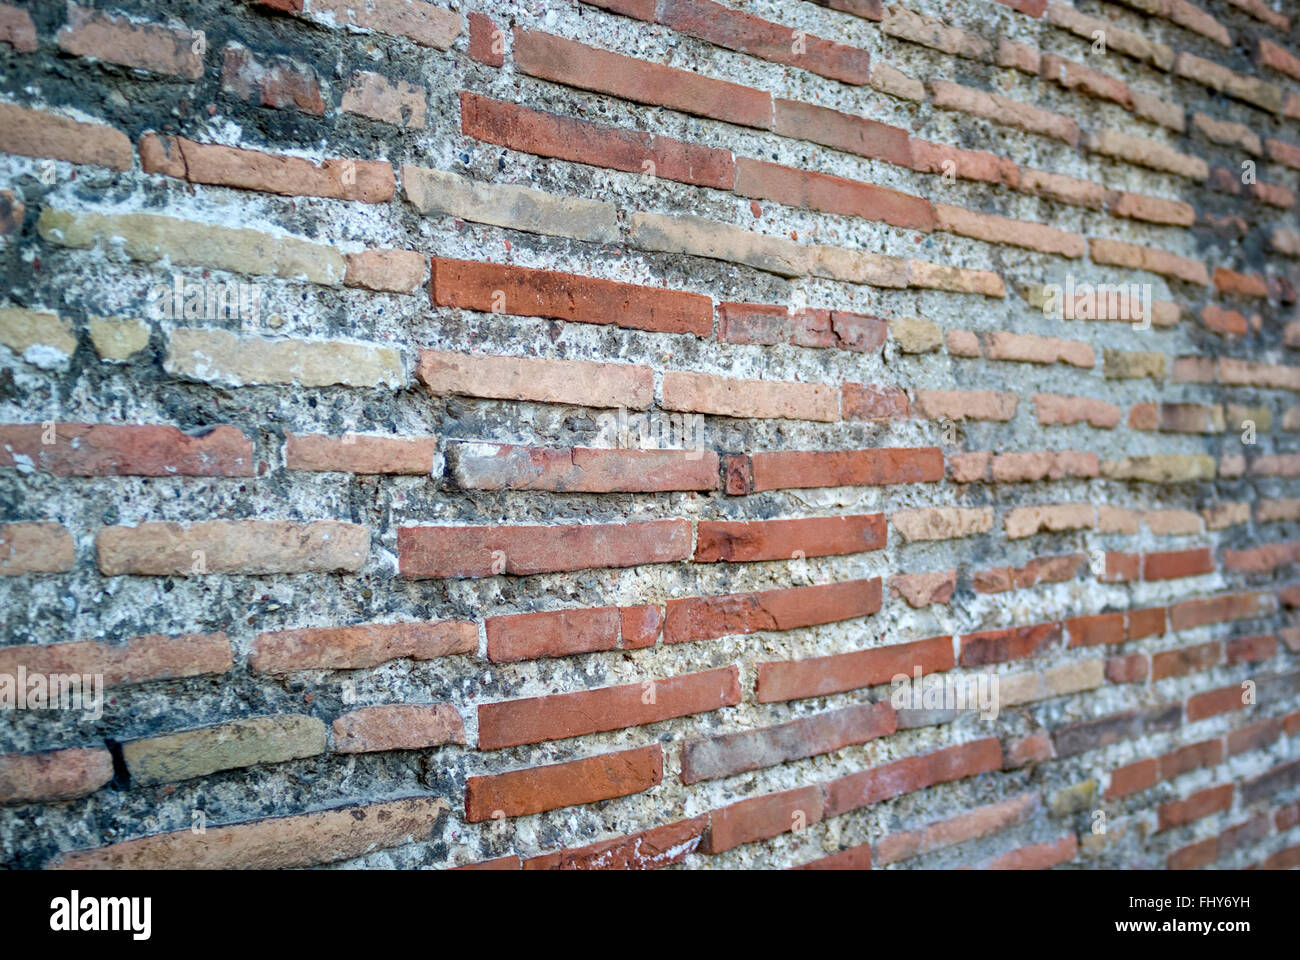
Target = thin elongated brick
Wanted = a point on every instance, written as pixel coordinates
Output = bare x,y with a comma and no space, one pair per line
440,192
273,843
55,775
496,288
732,753
842,131
581,141
911,774
647,850
1016,643
510,723
359,647
139,660
353,453
171,758
255,547
149,238
40,547
588,68
485,551
493,466
752,540
794,469
542,380
746,33
589,780
941,523
36,133
704,618
728,397
426,24
399,726
760,818
100,450
148,46
363,180
837,673
557,633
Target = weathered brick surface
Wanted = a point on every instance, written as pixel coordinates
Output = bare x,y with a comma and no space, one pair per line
592,413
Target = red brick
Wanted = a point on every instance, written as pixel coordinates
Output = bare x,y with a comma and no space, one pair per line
149,46
400,726
794,469
302,840
753,540
366,181
1034,748
35,133
647,850
1144,623
971,825
1231,606
1134,257
490,466
810,190
760,818
923,589
1132,778
1036,571
1002,110
498,288
17,29
838,673
705,618
1199,854
1256,736
1212,703
360,454
1132,668
1103,628
764,324
951,161
1185,660
709,393
56,775
510,723
485,551
101,450
558,633
426,24
519,793
1235,283
1039,856
487,42
1016,643
1177,563
582,141
138,660
854,858
1251,649
361,646
41,547
1199,805
1269,54
1195,756
279,84
588,68
911,774
842,131
746,33
729,754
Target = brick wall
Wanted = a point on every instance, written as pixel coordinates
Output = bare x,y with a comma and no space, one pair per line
537,434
